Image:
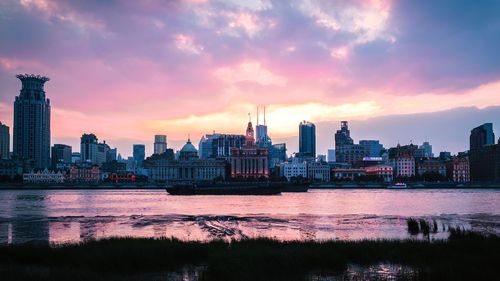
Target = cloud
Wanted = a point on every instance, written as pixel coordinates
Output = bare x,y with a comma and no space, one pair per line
186,43
250,71
132,63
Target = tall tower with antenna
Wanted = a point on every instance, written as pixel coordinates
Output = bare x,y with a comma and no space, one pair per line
261,129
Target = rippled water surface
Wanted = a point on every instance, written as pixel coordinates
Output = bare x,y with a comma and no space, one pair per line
77,215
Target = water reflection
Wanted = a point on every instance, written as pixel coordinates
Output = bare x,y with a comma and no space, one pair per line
72,216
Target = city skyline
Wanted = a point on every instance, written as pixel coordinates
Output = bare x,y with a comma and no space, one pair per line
200,66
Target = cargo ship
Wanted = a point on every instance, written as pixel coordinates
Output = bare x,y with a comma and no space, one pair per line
229,188
293,187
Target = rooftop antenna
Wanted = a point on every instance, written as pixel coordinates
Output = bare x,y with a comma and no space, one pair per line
257,115
264,115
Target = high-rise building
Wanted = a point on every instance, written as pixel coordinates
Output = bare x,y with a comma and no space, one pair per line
4,141
219,145
484,154
484,163
93,152
88,147
373,148
139,151
307,139
481,136
277,154
32,121
160,145
60,154
343,136
342,139
261,135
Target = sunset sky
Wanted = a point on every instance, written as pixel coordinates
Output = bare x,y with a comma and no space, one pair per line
126,70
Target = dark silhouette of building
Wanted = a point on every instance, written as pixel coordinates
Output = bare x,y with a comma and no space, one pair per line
343,136
307,139
4,141
94,152
342,141
484,154
346,151
32,121
60,154
481,136
485,163
139,153
86,146
114,166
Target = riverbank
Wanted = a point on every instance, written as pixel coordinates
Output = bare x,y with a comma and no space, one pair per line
464,256
332,185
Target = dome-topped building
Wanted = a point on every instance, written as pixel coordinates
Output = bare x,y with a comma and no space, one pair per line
188,151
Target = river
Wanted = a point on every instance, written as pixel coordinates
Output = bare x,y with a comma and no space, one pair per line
61,216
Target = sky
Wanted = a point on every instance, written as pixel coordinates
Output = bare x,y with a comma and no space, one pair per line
127,70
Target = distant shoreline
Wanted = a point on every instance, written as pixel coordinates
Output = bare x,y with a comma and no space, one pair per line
337,185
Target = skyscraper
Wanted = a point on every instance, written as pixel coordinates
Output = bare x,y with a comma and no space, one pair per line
139,153
88,147
307,139
61,154
481,136
160,145
93,152
32,121
343,136
4,141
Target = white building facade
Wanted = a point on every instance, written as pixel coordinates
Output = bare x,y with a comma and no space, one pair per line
294,169
44,176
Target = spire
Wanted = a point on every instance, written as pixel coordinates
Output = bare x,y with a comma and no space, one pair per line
189,138
257,115
249,117
264,115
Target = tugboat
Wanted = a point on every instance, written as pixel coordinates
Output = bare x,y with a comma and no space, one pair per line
227,188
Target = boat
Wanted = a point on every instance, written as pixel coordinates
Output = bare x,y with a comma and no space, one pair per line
229,188
398,185
294,187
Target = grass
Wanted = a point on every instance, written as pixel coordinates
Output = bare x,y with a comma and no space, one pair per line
422,226
465,256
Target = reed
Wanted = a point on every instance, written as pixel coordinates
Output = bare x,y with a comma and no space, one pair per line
465,256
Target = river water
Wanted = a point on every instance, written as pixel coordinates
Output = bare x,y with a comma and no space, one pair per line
61,216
